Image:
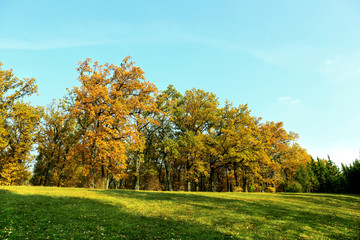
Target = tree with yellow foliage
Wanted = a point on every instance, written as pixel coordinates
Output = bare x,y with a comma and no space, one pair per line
18,126
106,110
239,143
196,113
276,145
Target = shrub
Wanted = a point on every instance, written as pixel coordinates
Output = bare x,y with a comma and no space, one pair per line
238,189
293,186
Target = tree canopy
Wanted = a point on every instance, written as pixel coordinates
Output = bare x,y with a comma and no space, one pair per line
117,130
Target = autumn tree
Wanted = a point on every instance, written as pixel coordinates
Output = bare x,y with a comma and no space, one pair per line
294,160
115,130
143,118
106,109
195,115
55,140
161,136
239,144
18,126
277,143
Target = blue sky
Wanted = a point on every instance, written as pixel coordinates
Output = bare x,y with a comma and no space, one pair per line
296,62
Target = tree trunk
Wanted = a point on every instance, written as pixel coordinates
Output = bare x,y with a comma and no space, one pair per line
49,172
108,181
236,178
179,177
212,179
60,176
92,179
246,187
188,186
202,183
168,177
228,181
274,187
92,170
161,178
188,183
137,174
245,183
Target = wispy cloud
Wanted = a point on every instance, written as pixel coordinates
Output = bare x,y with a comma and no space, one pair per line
289,100
342,69
330,61
282,99
68,35
47,44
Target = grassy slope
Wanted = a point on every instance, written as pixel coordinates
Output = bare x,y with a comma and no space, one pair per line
65,213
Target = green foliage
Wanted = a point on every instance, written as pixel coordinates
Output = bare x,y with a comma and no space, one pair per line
306,178
56,137
293,186
351,177
324,176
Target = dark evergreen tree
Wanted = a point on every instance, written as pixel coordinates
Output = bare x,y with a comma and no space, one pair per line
351,177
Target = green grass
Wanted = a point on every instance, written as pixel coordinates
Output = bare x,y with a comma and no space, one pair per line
70,213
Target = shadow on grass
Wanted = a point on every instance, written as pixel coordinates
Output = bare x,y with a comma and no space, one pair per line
279,216
44,217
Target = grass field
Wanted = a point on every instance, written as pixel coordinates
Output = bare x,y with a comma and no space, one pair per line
70,213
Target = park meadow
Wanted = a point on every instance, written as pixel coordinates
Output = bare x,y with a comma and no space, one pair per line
76,213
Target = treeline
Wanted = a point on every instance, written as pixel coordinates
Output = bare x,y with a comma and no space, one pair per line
118,131
323,176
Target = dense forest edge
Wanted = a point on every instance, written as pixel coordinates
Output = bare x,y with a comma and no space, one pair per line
118,131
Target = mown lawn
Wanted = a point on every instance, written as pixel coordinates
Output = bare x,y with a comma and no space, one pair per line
70,213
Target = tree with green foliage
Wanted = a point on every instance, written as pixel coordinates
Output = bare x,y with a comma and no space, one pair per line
56,138
161,136
351,177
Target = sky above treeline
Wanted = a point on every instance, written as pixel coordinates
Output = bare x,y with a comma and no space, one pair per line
292,61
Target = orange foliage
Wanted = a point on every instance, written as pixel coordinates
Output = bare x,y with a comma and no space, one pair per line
106,108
